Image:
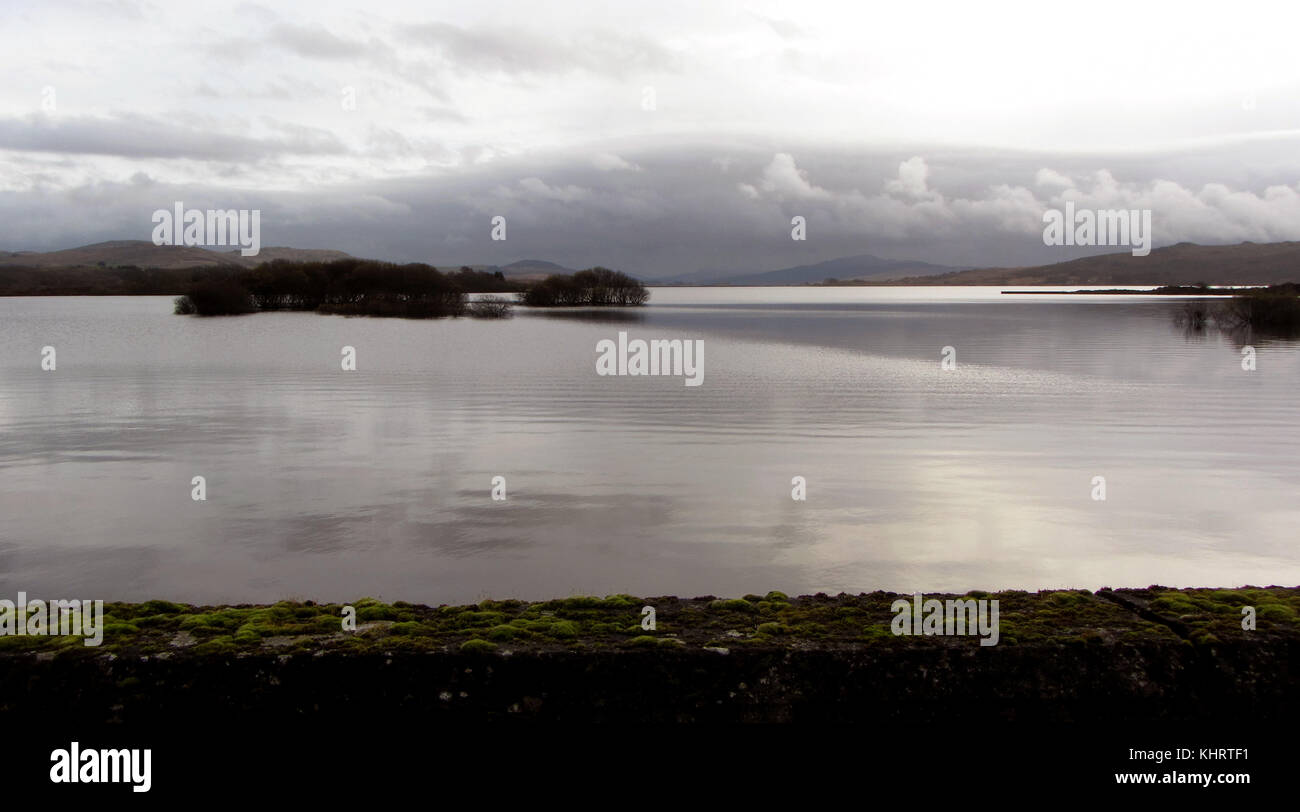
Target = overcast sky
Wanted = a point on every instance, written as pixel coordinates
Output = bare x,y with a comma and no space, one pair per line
658,138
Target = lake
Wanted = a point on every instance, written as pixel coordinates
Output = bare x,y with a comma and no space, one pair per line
331,485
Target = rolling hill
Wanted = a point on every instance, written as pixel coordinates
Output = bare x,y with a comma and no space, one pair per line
532,270
1186,263
862,266
144,254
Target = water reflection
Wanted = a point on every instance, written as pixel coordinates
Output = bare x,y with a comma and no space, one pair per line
1236,320
591,314
331,485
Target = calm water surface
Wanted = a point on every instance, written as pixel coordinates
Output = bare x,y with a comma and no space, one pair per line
332,485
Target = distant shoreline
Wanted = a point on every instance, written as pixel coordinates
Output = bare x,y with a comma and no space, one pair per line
1166,290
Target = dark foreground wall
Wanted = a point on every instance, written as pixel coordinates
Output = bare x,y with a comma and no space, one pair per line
1166,681
1114,657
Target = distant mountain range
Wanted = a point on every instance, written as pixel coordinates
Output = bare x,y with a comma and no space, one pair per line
1186,263
145,254
529,270
862,266
1182,264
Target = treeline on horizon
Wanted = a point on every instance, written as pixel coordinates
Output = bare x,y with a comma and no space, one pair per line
123,280
133,280
373,288
345,286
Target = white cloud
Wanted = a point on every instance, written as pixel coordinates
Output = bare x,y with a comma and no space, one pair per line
908,206
784,179
911,181
1050,177
608,162
537,189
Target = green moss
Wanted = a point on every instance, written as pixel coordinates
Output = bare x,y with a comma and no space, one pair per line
1056,617
1276,611
733,605
156,621
477,646
471,619
162,608
1173,604
876,633
506,632
21,643
624,601
501,606
211,622
1217,612
217,645
371,612
1089,637
580,602
1067,599
564,629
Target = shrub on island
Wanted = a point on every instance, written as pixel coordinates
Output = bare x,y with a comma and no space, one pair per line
595,287
216,297
490,307
1274,309
354,287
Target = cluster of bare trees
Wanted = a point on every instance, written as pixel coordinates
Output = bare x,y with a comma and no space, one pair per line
1273,311
347,286
593,287
369,288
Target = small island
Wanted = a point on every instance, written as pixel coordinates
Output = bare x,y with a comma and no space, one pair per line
357,287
